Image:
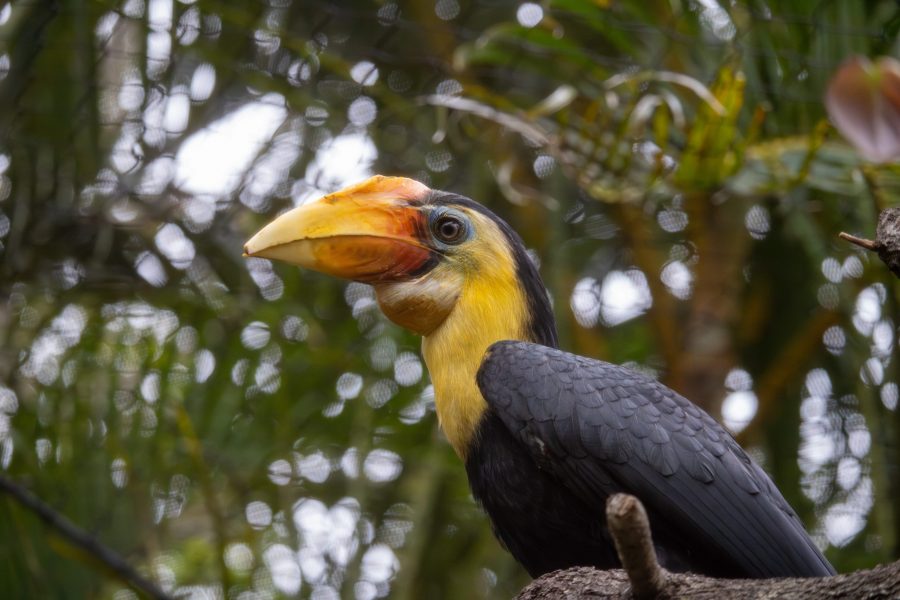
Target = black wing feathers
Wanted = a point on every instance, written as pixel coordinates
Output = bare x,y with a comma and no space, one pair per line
602,428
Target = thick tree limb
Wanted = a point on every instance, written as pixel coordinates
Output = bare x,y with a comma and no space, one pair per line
81,539
643,578
880,583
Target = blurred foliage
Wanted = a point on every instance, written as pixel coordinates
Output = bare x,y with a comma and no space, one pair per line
242,430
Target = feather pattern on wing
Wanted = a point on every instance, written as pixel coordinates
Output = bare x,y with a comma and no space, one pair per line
601,428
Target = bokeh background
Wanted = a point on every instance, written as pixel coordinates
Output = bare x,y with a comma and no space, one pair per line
240,429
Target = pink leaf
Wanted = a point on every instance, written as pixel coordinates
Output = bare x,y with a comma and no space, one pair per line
863,101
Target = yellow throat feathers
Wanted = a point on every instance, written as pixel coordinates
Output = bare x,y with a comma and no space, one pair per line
491,307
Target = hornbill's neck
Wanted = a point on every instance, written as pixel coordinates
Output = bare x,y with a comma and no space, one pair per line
503,299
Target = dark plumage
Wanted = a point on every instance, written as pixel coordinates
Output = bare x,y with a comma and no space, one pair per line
578,430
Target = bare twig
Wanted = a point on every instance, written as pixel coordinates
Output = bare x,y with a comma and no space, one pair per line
630,530
887,239
81,539
861,242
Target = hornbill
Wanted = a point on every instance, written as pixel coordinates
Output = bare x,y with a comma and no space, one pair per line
546,436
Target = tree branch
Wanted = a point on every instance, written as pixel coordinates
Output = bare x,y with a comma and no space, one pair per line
81,539
630,530
880,583
861,242
642,577
887,239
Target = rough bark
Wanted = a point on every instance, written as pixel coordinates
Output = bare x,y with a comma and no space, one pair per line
880,583
642,578
888,238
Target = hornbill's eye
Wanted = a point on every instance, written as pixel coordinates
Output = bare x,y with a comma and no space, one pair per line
449,229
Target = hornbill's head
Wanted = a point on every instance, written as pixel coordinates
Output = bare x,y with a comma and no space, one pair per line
421,249
442,266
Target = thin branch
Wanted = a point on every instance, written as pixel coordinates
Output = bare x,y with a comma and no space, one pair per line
861,242
630,530
81,539
887,239
790,361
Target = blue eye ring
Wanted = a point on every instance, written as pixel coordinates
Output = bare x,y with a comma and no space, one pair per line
449,227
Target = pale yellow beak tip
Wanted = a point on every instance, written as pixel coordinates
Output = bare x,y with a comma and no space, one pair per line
255,245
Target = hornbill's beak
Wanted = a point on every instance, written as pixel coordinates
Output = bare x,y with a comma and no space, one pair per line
370,232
